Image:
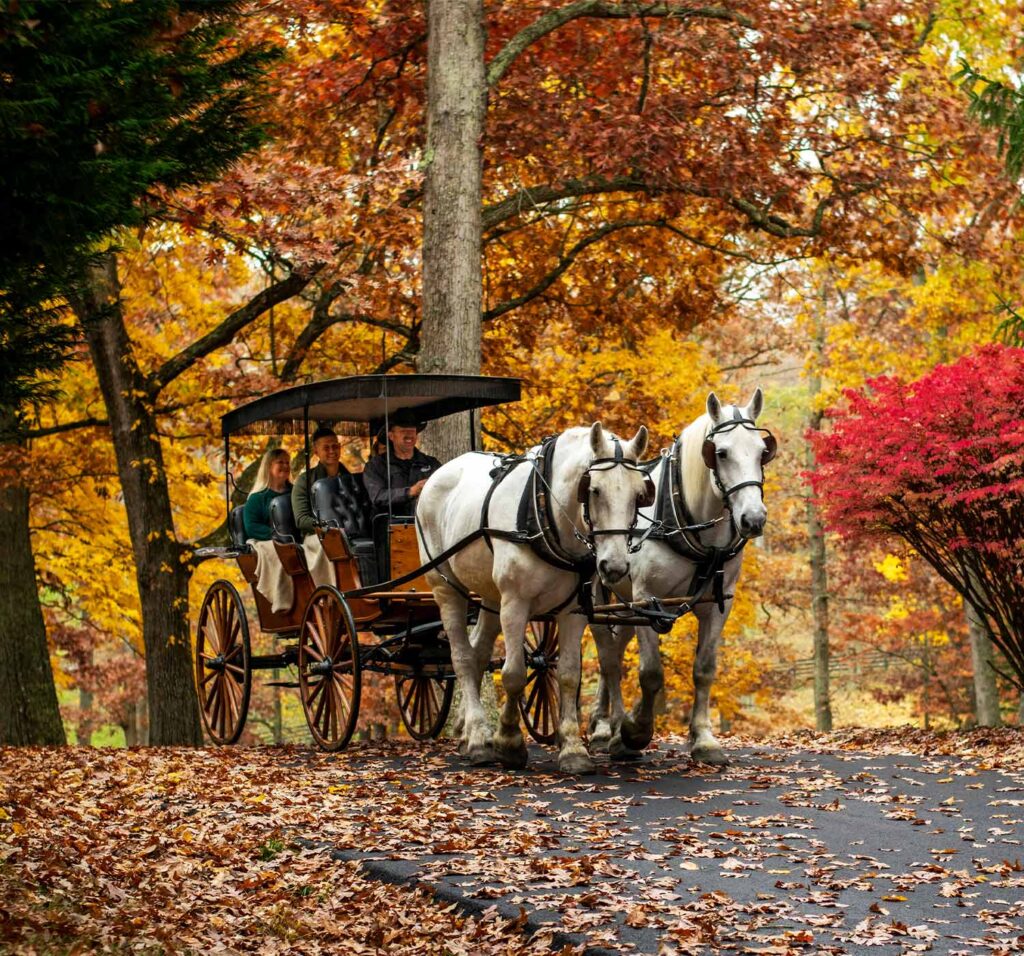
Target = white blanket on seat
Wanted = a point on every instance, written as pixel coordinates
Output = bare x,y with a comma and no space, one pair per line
321,569
271,580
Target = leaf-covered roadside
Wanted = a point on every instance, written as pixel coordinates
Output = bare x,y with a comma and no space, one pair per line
183,851
205,850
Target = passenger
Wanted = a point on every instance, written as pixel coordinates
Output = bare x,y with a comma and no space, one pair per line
271,480
327,449
408,467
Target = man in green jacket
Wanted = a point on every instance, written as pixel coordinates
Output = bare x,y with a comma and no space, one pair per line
327,449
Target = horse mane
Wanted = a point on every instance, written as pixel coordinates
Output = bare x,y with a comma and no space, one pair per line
697,491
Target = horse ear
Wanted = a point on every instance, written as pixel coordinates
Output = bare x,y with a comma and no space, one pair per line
597,438
638,444
755,405
714,407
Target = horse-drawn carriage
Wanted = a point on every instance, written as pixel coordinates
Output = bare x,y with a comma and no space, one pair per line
381,616
506,549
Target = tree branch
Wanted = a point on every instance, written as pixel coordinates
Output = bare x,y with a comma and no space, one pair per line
566,260
234,323
600,10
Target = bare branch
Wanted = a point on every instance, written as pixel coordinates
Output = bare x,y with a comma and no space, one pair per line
600,10
234,323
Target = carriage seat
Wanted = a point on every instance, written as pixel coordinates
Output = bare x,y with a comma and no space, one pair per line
236,528
342,502
282,520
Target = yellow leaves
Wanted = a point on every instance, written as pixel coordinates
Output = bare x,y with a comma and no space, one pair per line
892,568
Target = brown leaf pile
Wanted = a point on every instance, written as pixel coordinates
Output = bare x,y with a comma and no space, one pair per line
988,748
178,851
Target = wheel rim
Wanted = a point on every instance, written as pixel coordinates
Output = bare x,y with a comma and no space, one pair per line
539,703
223,672
424,703
330,680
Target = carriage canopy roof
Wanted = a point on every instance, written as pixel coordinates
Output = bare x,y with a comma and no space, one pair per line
368,399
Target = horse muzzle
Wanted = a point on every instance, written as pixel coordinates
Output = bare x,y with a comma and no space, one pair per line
611,570
751,523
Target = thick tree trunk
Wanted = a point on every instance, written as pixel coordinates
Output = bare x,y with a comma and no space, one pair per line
452,283
986,693
161,575
28,698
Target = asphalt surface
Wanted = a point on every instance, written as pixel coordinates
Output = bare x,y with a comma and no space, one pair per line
780,852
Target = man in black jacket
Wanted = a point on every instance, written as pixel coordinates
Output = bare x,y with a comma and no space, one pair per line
407,467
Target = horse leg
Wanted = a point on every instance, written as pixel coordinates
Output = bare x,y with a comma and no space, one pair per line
703,745
509,745
475,741
482,641
637,728
609,710
572,757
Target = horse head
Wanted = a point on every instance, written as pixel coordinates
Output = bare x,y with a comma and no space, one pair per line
610,491
735,451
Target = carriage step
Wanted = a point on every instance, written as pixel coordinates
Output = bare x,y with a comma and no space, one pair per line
281,683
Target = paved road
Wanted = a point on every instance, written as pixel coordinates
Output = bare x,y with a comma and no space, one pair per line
781,852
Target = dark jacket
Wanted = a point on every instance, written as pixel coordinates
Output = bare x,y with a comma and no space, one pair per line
302,505
256,516
405,472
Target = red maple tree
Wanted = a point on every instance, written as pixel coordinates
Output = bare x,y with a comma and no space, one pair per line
940,463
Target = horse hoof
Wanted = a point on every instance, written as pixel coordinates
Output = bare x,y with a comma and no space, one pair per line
600,744
634,736
480,754
513,758
618,750
578,764
714,756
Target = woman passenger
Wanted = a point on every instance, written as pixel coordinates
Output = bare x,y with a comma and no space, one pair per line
271,481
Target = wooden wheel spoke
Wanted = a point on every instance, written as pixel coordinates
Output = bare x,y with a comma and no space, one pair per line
404,702
312,651
315,690
320,706
235,669
533,693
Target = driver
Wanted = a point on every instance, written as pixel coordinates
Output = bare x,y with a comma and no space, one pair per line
407,467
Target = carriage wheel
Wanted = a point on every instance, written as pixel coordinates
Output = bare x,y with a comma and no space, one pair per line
223,673
330,680
424,703
539,703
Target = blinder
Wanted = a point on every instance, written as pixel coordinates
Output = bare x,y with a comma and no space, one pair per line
771,449
649,494
583,489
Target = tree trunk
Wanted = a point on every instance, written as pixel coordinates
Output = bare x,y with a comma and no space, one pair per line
161,574
986,693
452,282
819,570
29,713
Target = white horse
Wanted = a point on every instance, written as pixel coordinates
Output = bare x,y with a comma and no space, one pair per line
589,492
712,479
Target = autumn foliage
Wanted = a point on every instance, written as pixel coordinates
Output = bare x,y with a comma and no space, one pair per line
940,463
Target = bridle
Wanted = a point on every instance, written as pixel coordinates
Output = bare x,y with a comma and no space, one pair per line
710,452
645,500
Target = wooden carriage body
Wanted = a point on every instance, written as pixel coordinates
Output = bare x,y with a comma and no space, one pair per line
380,615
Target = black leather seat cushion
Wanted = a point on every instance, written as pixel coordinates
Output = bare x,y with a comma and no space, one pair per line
342,502
236,528
282,519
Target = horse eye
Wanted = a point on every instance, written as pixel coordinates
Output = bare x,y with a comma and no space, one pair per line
723,453
595,492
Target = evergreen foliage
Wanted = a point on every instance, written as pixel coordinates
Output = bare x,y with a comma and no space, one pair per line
103,103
